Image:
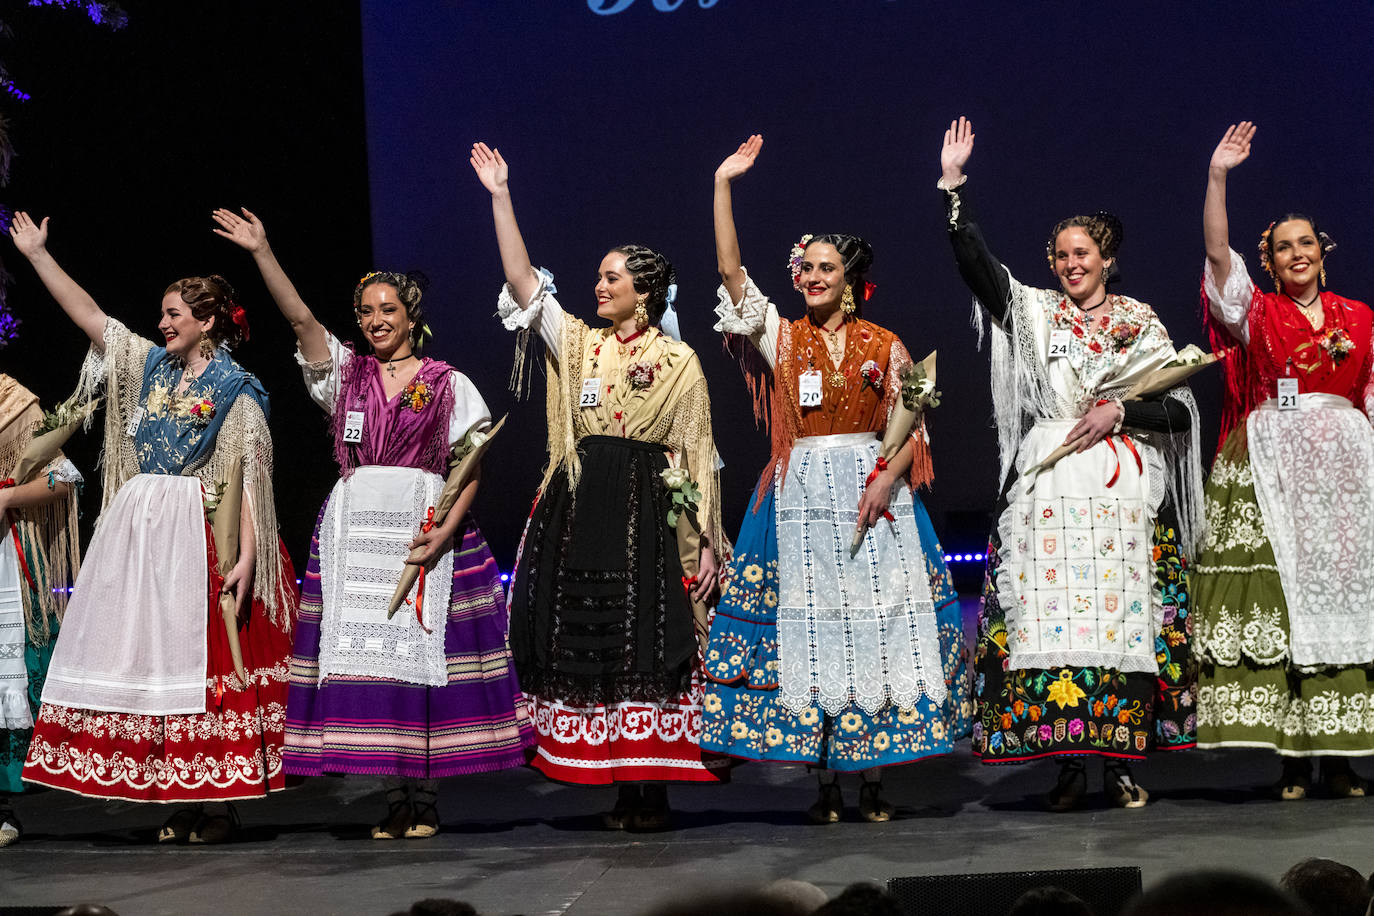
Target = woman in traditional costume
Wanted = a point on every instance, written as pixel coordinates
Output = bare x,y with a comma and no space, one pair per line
617,560
1083,634
144,697
1284,586
425,693
39,555
845,660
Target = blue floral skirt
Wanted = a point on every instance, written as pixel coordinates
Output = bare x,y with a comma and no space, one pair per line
742,715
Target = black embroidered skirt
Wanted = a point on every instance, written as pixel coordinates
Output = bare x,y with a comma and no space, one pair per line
598,610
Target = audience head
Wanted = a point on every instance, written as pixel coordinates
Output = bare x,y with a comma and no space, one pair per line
1327,887
862,900
1215,893
1049,901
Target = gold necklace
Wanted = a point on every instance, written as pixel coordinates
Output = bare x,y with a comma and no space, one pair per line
835,350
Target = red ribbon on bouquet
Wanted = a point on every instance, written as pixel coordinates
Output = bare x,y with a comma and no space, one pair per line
878,468
420,586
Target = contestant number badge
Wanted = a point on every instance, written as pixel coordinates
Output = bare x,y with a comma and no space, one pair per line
1059,344
131,428
809,389
1288,394
353,427
591,393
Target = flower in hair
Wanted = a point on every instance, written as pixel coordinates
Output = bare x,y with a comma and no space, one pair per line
794,260
869,289
239,318
1264,250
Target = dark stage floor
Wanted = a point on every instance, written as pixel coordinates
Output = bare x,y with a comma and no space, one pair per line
514,843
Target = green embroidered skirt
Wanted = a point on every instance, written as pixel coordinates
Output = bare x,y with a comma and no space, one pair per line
1248,694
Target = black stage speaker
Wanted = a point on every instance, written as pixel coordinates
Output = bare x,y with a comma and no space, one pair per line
1104,890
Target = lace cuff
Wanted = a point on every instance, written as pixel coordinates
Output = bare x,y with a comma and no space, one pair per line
748,316
515,318
61,470
323,377
1231,303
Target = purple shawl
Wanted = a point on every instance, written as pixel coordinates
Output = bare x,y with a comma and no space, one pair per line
394,433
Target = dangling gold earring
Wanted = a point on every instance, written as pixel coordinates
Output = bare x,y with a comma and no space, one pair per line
641,313
207,349
1321,275
847,300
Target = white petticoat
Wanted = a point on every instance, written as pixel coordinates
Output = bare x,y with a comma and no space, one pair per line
858,631
365,534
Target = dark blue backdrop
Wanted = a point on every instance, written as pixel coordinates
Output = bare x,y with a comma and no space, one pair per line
613,125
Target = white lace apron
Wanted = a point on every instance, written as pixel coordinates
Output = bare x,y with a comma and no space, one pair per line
365,536
1312,470
134,635
1077,580
855,631
14,674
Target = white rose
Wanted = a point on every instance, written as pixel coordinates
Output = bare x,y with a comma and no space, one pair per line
674,478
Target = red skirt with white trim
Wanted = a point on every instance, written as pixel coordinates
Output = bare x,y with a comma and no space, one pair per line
229,752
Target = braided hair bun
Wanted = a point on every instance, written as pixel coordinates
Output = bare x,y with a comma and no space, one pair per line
653,274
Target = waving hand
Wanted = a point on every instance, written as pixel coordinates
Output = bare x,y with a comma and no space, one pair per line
955,153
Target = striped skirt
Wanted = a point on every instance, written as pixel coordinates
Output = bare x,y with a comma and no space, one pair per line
475,723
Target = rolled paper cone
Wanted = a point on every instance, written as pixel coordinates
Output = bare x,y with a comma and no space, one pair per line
1156,382
226,532
229,613
1162,380
43,448
458,478
1050,460
899,426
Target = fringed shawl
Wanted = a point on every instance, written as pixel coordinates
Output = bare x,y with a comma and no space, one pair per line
782,413
1026,387
675,411
48,533
396,434
1283,343
119,369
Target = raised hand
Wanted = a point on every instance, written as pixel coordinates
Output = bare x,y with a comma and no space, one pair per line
491,169
30,238
1234,148
247,232
957,149
741,160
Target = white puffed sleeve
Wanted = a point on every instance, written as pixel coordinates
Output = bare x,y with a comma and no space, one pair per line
323,378
468,408
1231,304
542,312
754,316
